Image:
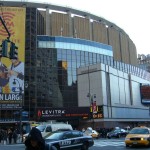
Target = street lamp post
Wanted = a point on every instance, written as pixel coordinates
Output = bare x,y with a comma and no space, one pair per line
91,100
21,104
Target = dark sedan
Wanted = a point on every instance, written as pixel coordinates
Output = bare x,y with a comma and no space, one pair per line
70,140
117,133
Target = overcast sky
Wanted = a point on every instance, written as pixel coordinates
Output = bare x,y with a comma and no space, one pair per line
133,16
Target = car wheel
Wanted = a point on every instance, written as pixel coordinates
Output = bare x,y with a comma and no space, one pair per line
85,146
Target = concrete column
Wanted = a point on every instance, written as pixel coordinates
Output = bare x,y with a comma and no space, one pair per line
47,19
70,24
90,27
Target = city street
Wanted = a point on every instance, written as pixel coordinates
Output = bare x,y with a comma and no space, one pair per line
104,144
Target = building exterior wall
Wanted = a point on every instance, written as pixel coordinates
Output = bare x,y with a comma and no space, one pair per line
100,32
81,23
119,94
75,33
124,48
114,40
59,24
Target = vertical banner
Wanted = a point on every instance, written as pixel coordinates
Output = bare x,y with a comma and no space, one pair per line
12,69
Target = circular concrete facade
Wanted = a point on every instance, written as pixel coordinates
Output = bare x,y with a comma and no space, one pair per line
55,20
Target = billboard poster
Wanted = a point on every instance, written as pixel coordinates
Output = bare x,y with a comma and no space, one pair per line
74,112
12,69
145,93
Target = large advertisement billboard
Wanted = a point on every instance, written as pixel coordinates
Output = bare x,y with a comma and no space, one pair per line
145,93
12,69
73,112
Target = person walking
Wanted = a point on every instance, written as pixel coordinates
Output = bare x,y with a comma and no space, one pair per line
4,137
35,141
14,135
10,136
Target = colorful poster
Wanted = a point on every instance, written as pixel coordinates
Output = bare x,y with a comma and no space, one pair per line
12,69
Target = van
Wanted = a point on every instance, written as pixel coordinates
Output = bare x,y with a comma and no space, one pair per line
46,129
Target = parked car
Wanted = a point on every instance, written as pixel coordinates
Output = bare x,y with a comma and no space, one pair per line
138,136
69,140
117,133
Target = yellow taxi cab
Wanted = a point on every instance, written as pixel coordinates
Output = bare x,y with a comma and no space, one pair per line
138,136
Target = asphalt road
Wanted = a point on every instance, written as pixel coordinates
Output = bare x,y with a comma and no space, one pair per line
100,144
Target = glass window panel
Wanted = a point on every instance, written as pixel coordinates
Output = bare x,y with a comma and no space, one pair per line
68,57
64,52
73,57
105,59
94,58
97,58
78,64
74,79
73,52
101,58
73,64
87,60
69,64
90,58
78,53
69,80
86,54
82,53
69,72
64,57
68,52
74,71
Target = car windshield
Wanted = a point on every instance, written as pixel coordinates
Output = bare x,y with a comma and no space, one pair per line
115,131
41,127
139,131
55,136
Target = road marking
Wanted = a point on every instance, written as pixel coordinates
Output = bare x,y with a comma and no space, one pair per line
107,143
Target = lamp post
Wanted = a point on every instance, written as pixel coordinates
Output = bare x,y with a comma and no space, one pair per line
21,104
91,100
91,97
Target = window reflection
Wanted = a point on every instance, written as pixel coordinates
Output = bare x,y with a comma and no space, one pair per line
57,66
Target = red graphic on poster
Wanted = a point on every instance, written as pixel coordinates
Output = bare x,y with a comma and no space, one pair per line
8,18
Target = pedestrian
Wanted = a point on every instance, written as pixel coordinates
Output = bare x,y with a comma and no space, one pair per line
1,135
10,135
15,136
35,141
4,137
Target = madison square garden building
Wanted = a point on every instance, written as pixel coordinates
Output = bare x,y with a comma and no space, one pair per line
56,42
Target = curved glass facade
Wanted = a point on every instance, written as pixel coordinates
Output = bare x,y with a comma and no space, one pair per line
57,61
74,44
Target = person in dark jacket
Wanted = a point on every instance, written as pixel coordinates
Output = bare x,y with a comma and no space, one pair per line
35,141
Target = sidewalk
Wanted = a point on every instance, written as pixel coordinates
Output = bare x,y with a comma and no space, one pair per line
19,141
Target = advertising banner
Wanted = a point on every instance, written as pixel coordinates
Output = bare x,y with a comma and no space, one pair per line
74,112
145,93
12,69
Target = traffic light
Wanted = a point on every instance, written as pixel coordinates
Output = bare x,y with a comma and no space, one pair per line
4,48
13,51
